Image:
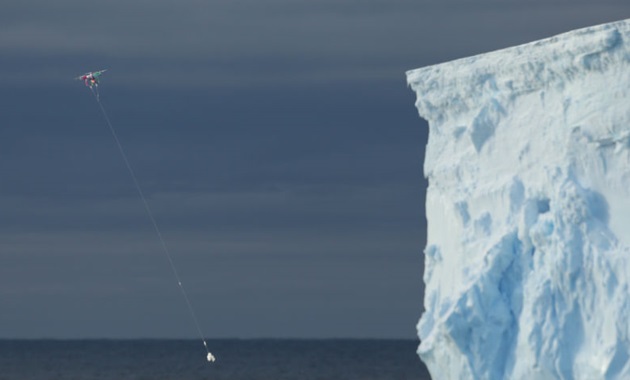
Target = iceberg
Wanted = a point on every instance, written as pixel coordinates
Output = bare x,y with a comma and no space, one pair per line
527,263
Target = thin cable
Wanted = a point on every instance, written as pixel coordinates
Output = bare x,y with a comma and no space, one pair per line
210,357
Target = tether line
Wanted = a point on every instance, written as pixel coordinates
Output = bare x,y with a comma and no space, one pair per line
156,227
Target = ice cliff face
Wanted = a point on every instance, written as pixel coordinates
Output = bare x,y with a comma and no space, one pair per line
528,254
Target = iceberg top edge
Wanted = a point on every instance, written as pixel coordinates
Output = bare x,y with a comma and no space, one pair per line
524,68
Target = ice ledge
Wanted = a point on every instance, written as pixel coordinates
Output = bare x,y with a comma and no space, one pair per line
457,86
527,264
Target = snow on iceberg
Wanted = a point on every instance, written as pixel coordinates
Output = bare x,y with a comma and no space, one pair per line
527,264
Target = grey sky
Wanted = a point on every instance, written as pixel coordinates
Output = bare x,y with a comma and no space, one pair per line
276,140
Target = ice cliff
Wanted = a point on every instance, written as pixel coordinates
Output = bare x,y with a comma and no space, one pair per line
527,263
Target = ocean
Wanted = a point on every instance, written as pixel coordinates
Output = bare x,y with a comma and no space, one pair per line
255,359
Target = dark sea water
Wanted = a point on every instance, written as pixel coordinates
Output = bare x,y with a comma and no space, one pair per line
267,359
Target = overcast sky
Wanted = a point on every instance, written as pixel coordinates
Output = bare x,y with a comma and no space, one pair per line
277,143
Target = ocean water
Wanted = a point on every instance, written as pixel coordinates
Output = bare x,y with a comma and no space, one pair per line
255,359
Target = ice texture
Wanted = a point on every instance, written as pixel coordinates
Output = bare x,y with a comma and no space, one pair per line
527,263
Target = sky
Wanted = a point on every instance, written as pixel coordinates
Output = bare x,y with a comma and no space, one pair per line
276,141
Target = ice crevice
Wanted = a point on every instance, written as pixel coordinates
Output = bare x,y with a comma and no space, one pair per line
527,263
